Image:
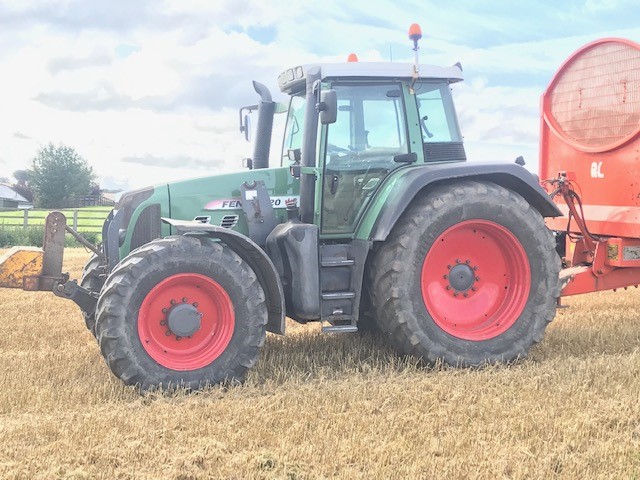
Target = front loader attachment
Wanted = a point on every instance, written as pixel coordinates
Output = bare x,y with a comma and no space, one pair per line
19,266
34,269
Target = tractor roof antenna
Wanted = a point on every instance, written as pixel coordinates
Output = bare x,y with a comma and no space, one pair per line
415,34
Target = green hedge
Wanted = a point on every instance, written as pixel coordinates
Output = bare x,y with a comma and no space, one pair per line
33,236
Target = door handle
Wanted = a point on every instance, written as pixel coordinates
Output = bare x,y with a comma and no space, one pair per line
333,184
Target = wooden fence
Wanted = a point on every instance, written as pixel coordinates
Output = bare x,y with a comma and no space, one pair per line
80,201
83,220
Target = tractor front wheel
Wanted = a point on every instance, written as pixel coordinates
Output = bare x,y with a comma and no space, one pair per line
181,312
468,276
93,281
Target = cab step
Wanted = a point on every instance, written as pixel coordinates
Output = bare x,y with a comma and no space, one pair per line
337,262
337,295
339,329
341,269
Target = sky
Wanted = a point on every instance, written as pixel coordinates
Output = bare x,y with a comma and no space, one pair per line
149,91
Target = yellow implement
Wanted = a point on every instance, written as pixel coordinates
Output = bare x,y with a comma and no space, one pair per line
32,268
19,266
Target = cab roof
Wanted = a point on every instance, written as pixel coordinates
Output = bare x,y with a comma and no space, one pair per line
293,79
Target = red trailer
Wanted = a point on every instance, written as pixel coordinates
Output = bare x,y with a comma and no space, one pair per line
590,152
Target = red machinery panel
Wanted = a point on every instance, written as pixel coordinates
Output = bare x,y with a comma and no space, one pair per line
590,128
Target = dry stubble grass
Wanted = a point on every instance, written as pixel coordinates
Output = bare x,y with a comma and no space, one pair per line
325,406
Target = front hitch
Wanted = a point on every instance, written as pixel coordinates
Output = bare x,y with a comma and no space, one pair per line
40,269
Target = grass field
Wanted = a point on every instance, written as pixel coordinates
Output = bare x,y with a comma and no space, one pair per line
89,218
325,406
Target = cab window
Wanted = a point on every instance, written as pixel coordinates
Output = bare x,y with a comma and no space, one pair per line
294,128
369,132
438,123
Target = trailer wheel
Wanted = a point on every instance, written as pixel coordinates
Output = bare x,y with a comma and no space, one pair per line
468,276
91,280
181,312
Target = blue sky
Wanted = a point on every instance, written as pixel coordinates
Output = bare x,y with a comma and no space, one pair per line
148,91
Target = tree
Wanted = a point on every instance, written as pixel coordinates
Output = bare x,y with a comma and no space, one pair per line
57,174
22,184
21,176
94,189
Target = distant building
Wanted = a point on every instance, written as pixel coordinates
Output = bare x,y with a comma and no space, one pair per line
12,200
112,195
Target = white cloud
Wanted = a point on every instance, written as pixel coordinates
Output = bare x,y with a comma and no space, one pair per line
161,82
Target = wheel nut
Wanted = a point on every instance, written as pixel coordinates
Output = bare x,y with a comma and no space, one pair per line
467,262
475,268
457,260
195,304
167,333
477,279
178,337
473,289
163,322
455,294
449,267
172,302
445,276
184,299
164,310
465,294
448,287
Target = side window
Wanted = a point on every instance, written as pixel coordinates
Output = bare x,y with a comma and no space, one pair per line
436,126
361,145
294,129
438,123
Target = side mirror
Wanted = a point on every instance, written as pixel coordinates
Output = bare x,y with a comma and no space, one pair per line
328,107
246,128
245,122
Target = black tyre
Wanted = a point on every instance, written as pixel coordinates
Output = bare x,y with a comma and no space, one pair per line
468,276
366,320
91,279
181,312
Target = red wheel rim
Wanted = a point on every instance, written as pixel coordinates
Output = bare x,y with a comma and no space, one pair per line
217,321
490,284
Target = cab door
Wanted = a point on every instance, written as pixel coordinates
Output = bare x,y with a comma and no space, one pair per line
366,142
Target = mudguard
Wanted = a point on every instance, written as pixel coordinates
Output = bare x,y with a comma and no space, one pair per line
257,259
418,178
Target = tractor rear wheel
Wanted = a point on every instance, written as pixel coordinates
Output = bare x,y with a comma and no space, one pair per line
181,312
91,280
468,276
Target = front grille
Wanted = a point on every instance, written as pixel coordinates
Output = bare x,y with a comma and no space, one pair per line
148,226
229,221
130,201
444,152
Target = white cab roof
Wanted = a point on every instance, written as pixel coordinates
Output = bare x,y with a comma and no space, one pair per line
293,79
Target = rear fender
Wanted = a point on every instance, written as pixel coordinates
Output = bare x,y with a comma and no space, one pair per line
257,259
421,178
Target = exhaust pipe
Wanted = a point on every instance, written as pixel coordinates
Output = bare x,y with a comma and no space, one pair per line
266,110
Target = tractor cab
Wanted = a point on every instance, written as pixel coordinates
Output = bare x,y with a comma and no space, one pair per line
374,118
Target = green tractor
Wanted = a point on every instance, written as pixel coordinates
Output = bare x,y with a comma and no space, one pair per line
370,218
